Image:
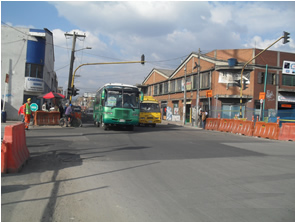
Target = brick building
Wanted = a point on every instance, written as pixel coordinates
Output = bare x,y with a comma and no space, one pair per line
220,71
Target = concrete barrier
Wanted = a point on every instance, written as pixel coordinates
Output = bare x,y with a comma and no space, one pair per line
14,151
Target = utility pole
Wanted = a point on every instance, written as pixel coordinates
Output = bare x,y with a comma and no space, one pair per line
75,35
198,89
184,96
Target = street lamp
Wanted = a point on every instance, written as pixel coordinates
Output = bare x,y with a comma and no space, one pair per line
83,49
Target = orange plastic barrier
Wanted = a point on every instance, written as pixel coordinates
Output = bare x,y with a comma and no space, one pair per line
266,130
226,125
287,132
236,126
243,127
14,151
46,118
212,124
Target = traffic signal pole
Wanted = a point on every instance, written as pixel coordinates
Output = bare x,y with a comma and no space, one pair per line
103,63
285,37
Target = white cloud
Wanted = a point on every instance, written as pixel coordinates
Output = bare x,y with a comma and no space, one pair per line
164,30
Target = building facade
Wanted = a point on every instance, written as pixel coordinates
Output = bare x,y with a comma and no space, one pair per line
219,76
27,67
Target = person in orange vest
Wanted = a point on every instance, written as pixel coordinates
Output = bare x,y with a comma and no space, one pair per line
27,113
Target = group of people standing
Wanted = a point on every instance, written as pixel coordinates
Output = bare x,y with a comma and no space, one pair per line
25,111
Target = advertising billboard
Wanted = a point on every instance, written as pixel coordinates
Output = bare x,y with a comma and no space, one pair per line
289,67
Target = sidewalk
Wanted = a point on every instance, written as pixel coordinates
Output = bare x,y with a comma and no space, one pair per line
179,123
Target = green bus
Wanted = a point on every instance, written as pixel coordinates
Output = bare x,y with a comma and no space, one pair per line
117,104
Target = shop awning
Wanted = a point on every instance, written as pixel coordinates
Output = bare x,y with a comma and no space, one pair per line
288,97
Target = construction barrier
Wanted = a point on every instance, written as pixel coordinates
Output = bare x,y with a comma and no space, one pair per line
267,130
46,118
212,124
287,132
14,151
237,125
243,127
226,125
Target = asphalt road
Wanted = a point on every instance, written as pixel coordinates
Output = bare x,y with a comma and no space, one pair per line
168,173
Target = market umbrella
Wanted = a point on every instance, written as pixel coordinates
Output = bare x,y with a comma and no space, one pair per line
52,95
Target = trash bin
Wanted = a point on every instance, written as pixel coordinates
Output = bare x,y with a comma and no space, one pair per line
3,117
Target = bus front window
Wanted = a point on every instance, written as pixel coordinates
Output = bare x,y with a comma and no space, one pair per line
116,99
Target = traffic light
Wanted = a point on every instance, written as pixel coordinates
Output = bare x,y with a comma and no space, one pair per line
286,37
237,83
245,85
75,91
142,59
70,91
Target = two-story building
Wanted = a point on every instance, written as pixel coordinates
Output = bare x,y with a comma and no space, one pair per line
27,67
219,75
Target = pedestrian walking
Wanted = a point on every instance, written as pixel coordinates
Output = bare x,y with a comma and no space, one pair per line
27,113
21,113
68,114
204,117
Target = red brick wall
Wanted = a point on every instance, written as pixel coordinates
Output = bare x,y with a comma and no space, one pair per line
154,78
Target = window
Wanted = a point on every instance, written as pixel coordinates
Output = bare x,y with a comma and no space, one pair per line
204,80
165,87
172,86
34,70
160,88
188,83
195,81
175,108
288,80
155,89
178,86
271,78
150,90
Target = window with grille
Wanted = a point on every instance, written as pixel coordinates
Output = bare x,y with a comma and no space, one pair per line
172,86
34,70
288,80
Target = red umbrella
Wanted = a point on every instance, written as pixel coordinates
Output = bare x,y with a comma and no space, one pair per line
52,95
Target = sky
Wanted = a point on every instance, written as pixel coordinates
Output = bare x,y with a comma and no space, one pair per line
166,32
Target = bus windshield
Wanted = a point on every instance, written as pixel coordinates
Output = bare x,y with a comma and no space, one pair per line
122,99
150,107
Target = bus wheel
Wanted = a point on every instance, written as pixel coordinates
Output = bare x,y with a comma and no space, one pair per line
103,125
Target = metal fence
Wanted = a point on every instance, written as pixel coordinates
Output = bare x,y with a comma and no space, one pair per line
270,115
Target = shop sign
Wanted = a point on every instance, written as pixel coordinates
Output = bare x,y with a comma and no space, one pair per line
289,67
262,95
34,84
286,106
209,93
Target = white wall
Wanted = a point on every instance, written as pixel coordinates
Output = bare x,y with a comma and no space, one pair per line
13,59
